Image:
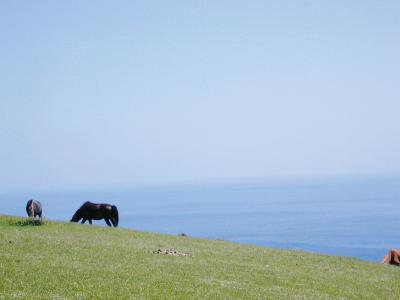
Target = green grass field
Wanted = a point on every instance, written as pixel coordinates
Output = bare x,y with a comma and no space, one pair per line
71,261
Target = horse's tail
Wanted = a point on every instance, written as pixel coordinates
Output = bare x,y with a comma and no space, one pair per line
29,208
115,213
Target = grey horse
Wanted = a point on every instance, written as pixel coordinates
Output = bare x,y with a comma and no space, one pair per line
34,209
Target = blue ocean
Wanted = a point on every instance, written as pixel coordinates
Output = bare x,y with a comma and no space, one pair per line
356,218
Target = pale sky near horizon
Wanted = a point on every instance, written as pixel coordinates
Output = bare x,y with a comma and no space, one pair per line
141,92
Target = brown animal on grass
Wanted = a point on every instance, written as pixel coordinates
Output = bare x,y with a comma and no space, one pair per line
392,257
92,211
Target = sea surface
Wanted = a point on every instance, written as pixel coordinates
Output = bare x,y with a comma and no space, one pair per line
357,218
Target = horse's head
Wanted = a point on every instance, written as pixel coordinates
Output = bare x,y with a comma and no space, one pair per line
77,216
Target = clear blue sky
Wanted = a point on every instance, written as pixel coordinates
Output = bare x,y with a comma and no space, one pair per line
143,92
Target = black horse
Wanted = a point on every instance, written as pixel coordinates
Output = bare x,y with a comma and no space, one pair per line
34,209
91,211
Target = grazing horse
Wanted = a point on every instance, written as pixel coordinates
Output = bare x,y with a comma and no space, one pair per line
34,208
91,211
392,257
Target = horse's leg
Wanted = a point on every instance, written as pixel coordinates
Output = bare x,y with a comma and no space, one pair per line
83,221
90,221
108,221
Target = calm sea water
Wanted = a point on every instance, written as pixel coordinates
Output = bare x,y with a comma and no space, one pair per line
358,218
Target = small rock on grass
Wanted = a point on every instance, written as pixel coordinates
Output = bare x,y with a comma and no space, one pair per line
171,252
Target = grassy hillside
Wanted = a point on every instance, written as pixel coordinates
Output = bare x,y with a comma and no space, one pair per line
72,261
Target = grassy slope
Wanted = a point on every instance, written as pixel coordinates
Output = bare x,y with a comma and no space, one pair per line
62,260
